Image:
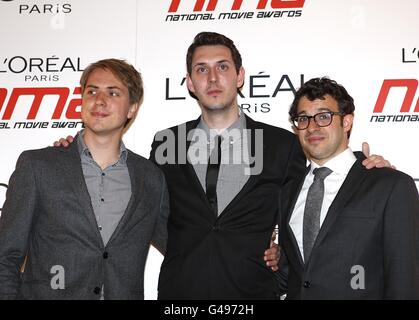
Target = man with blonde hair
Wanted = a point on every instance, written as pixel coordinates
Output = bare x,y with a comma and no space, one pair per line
83,217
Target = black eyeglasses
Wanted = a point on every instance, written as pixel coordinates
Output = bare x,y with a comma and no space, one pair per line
322,119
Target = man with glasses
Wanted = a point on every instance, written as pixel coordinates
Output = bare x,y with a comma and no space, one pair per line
223,211
347,232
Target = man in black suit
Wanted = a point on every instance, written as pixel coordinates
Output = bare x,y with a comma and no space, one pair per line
229,236
221,215
347,232
221,218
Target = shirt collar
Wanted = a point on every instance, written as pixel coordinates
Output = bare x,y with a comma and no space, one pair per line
340,164
240,123
84,150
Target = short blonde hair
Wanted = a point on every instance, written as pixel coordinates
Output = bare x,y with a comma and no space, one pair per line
124,71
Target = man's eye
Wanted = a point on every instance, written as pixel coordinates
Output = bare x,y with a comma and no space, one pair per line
223,67
302,119
91,92
114,94
323,116
201,70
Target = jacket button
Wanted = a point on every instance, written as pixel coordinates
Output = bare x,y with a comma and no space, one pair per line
216,228
105,255
307,284
96,290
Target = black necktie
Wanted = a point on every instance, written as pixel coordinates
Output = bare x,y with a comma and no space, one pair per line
313,206
213,167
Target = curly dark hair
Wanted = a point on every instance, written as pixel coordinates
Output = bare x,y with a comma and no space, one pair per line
318,88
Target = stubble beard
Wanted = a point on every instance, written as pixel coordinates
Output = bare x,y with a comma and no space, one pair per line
219,108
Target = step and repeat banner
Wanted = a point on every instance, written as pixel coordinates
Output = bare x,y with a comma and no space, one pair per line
371,47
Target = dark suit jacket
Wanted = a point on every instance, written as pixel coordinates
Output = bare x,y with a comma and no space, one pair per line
211,257
373,223
48,218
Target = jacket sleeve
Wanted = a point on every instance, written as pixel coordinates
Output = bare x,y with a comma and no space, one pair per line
162,148
152,156
296,162
282,273
159,238
401,241
15,225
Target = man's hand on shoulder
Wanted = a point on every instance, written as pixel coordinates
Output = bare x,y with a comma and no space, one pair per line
374,161
64,142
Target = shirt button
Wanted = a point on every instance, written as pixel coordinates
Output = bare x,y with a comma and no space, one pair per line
103,200
105,255
96,290
100,228
307,284
103,173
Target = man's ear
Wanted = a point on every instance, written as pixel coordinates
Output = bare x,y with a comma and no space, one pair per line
133,109
189,83
240,78
348,120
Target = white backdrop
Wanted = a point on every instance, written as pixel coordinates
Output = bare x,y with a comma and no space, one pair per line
361,44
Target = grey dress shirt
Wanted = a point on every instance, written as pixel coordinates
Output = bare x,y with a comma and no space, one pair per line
231,177
109,189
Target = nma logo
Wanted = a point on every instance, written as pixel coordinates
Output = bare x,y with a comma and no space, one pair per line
66,104
261,5
39,93
411,86
204,10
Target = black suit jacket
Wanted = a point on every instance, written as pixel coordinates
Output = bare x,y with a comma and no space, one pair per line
211,257
373,223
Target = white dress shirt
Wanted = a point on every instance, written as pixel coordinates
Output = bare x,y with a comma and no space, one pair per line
340,165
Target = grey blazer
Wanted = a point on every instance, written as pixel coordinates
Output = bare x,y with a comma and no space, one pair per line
48,219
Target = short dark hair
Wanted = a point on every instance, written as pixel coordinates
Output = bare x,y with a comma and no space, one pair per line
124,71
318,88
213,39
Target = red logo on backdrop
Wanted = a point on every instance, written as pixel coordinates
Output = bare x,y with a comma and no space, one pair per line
410,84
39,94
262,9
408,104
65,103
212,4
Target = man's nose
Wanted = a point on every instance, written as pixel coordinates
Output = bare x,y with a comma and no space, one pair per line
213,75
312,125
100,98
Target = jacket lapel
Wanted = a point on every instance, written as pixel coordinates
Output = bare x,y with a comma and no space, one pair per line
251,125
188,168
137,177
75,178
294,192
